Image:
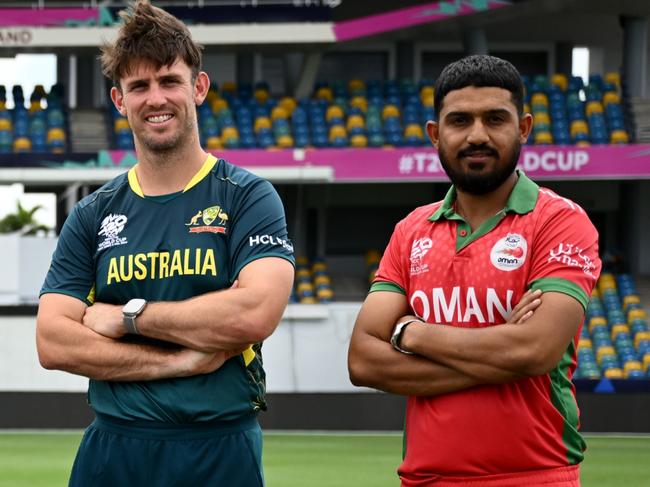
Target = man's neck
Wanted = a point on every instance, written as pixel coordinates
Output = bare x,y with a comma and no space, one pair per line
168,172
476,209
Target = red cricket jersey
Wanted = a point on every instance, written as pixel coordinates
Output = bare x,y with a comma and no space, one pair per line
453,276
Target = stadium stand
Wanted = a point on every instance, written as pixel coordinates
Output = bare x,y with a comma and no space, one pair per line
391,113
615,340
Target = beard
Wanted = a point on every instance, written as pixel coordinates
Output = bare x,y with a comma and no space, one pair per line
480,183
170,143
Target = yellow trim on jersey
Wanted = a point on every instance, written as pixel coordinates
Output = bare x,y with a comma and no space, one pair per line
91,295
203,172
134,183
248,355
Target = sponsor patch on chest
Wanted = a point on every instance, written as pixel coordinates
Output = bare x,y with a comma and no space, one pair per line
509,253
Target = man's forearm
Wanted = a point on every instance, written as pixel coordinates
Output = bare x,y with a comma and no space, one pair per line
69,346
375,363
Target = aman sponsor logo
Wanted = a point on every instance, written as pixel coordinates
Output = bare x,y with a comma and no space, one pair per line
203,220
509,253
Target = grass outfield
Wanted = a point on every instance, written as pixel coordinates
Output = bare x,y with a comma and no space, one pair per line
313,460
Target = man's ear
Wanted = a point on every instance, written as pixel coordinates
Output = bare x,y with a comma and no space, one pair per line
118,100
432,132
201,87
525,127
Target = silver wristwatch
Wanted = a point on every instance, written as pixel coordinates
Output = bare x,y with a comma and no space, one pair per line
396,338
130,312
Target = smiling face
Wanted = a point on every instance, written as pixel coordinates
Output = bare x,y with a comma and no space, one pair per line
160,104
478,137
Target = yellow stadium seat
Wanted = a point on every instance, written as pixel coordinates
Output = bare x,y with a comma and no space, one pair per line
642,336
526,108
583,143
632,365
619,137
333,111
636,313
593,107
359,141
646,361
359,102
35,106
585,343
390,111
325,293
211,96
426,92
213,143
614,78
630,299
541,117
308,300
355,121
302,261
597,321
55,134
603,351
218,104
614,373
611,97
304,286
303,274
229,132
578,127
560,80
543,137
413,130
337,131
288,103
322,280
5,124
428,101
539,99
619,328
356,84
229,86
284,141
121,123
22,144
319,266
279,112
261,123
261,95
325,93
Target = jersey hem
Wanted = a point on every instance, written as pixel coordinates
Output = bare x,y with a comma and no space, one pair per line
66,293
562,285
261,256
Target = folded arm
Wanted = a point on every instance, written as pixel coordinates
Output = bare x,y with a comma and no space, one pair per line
230,319
63,343
528,349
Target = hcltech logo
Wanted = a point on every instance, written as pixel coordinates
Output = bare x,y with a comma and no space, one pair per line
110,228
509,253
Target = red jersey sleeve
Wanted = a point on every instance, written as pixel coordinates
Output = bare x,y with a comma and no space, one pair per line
394,264
565,251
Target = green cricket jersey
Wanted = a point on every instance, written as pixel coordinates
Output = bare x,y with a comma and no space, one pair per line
119,244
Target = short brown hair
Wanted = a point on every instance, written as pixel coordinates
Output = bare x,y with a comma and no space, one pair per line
150,34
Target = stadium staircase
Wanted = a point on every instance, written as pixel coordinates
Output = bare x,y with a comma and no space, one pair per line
88,130
640,108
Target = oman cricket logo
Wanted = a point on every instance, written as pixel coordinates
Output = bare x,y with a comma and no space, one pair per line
509,253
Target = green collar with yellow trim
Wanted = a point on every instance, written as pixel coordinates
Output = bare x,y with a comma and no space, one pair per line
522,199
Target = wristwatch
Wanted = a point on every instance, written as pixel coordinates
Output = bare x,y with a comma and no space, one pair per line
130,312
396,338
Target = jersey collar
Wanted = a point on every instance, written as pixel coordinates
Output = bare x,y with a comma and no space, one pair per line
209,163
522,200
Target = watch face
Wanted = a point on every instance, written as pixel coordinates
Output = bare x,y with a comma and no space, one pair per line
134,306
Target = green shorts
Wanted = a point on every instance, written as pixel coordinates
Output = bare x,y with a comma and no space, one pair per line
140,454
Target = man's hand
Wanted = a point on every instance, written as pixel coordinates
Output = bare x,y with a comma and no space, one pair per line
105,319
194,362
525,308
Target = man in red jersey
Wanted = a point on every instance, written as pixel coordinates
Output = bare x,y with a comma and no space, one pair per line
488,405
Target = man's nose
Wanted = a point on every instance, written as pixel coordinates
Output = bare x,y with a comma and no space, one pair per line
478,133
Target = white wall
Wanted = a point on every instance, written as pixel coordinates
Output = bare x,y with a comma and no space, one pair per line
307,353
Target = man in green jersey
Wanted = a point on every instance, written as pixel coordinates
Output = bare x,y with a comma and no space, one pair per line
165,282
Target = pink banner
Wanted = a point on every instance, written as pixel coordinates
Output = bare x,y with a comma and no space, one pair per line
45,17
422,164
406,17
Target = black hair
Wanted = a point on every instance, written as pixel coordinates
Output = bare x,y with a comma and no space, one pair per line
480,71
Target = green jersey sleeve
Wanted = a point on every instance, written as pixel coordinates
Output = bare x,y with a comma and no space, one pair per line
72,270
260,229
